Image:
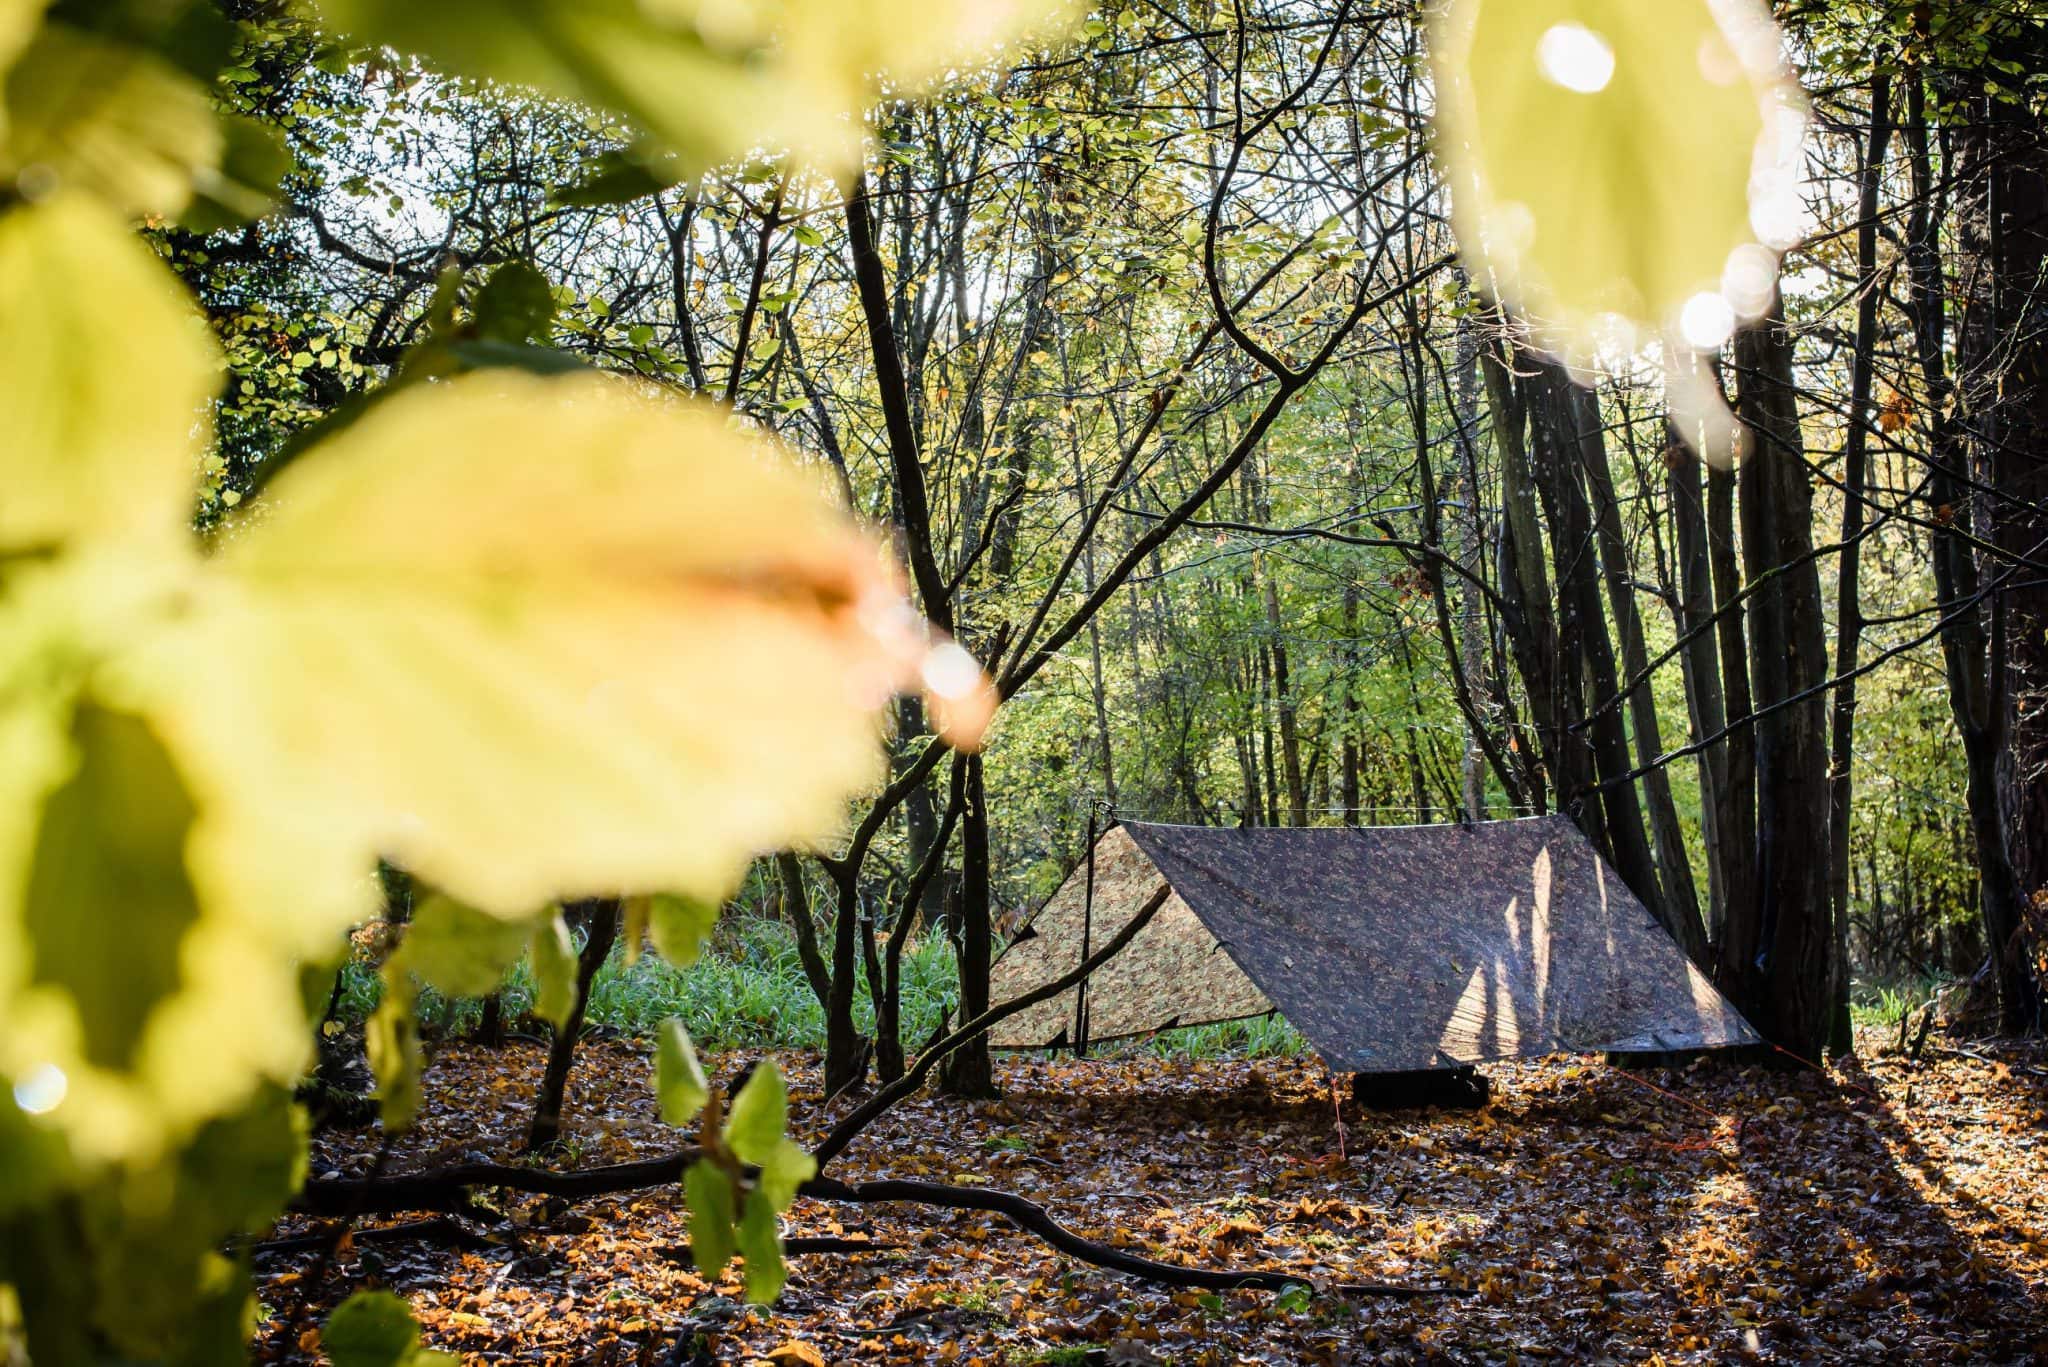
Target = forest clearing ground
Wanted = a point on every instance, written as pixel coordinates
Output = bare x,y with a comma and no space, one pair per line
1882,1212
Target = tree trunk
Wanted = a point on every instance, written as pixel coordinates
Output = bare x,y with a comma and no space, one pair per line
1735,956
1525,583
1794,944
968,1072
1674,865
600,918
1848,598
1562,417
2001,348
846,1049
1700,664
1969,659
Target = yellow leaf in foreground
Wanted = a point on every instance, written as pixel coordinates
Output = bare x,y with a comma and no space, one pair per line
18,19
1618,165
710,80
91,113
109,369
530,638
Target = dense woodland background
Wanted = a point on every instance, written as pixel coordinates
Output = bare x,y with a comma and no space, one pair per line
1157,358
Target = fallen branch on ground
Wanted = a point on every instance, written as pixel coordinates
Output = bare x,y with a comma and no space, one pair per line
448,1188
1033,1218
440,1229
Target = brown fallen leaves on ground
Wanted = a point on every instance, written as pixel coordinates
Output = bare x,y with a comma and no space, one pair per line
1881,1212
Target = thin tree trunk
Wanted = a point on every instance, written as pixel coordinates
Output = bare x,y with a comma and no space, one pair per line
1525,582
600,919
1563,416
1674,865
968,1072
1735,960
1848,598
1700,665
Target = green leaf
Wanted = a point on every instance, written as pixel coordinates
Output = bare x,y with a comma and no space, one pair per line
459,950
391,1037
1669,110
554,971
254,161
759,1114
620,178
678,926
678,1076
633,928
370,1329
760,1243
109,903
239,1170
788,1166
108,368
34,1156
708,1191
516,306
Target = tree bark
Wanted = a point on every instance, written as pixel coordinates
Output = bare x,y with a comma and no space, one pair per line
1848,597
1794,944
2000,147
1969,660
600,917
969,1072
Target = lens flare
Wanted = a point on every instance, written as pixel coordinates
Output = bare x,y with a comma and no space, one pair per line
42,1090
1707,321
1575,57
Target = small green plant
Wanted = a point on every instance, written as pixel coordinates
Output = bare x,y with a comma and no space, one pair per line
1060,1355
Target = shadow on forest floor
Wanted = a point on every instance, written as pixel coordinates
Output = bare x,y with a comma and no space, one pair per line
1710,1214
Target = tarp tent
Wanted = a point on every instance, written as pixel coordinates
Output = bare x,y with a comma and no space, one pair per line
1389,948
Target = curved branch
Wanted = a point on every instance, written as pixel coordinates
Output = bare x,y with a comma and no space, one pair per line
1033,1218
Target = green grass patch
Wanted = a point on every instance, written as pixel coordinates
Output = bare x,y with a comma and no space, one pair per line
748,992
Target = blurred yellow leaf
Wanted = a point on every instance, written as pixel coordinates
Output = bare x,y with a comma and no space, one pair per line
109,369
1614,164
529,638
18,20
85,112
710,79
129,1010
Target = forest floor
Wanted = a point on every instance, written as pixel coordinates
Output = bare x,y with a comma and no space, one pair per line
1880,1212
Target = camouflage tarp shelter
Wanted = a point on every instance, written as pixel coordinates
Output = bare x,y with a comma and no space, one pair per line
1389,948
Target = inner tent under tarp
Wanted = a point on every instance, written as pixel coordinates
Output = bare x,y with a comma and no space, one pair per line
1390,948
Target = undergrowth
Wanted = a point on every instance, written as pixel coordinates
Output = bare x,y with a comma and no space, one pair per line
1881,1001
748,991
